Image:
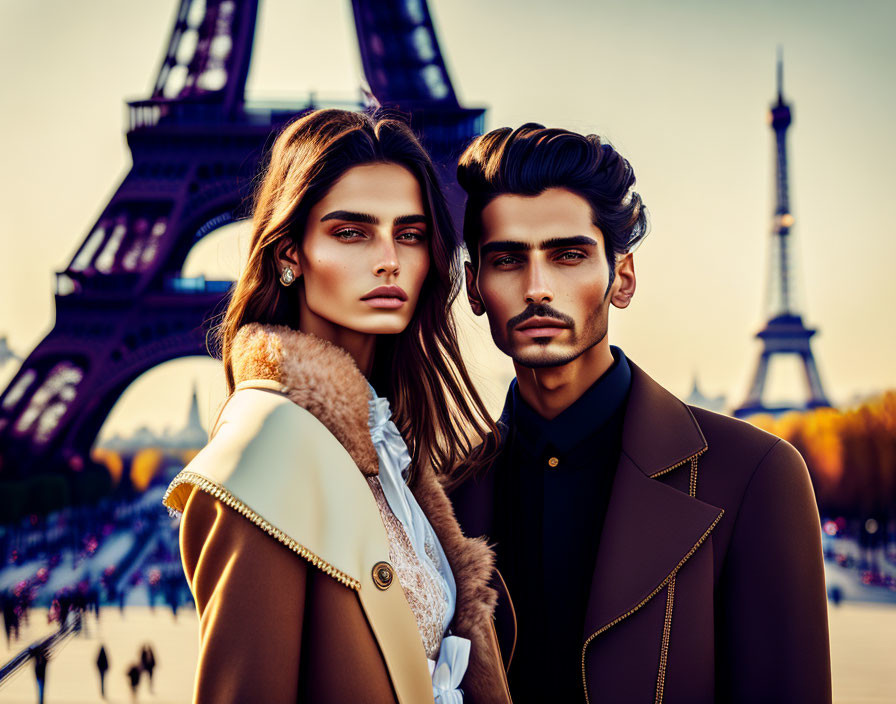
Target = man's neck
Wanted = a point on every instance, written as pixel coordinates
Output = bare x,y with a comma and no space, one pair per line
551,390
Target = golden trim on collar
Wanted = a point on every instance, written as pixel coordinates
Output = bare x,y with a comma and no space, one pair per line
667,580
664,645
692,486
228,499
661,472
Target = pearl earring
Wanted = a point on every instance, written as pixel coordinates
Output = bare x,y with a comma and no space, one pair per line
287,277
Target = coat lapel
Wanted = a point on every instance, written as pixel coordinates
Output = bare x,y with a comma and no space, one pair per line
651,528
649,531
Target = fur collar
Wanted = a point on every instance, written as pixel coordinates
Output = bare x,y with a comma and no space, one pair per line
323,378
320,377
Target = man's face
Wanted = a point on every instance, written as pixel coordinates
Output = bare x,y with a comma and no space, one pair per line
543,277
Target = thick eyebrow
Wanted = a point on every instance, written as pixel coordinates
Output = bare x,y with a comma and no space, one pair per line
553,243
368,219
409,220
351,217
504,246
558,242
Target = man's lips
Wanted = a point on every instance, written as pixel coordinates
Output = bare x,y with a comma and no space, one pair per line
541,327
385,297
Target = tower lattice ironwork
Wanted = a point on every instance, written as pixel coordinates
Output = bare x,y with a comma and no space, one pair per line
784,332
122,304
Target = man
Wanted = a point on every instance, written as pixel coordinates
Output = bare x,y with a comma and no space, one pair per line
654,551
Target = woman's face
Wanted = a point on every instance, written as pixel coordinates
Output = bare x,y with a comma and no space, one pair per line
365,253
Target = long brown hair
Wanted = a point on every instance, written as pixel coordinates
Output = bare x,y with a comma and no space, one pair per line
435,405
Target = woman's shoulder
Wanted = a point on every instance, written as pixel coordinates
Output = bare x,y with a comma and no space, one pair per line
278,466
254,431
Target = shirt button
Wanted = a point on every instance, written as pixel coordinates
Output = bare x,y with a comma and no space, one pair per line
553,462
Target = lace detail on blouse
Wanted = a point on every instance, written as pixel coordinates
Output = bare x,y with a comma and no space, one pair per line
424,593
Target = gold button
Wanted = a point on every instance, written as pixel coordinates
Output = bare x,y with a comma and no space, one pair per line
382,575
553,462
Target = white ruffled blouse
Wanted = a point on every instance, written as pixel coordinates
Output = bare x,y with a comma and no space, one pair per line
417,556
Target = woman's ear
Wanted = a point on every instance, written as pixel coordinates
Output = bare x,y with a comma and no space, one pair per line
473,290
624,285
286,254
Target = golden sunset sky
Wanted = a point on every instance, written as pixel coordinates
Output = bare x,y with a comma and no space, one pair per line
680,88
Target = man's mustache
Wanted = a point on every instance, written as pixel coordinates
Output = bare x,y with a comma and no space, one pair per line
541,310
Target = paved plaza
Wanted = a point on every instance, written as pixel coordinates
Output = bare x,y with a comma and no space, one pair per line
863,649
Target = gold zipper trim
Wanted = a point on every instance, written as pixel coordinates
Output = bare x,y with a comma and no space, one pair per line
628,613
678,464
664,650
228,499
693,482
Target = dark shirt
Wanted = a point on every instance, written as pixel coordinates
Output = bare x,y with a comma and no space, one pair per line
554,480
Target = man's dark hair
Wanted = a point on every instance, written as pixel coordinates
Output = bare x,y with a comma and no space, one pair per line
532,158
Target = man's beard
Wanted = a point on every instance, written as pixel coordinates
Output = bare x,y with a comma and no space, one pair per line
594,331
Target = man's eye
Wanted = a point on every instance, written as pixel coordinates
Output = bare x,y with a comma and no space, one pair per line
504,261
349,233
571,256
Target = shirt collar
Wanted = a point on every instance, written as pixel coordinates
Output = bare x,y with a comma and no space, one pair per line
585,416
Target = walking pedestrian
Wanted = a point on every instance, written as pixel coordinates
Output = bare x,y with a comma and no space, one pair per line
148,661
9,617
102,664
133,676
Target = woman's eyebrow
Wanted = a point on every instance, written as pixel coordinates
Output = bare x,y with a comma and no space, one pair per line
351,217
409,219
368,219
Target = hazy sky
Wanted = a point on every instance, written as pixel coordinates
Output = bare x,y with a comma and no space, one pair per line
680,88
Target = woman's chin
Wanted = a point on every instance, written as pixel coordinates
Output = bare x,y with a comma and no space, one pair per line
385,325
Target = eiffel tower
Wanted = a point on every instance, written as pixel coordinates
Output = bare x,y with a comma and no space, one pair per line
784,333
122,305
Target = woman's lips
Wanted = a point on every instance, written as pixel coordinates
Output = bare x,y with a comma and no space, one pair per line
385,297
385,302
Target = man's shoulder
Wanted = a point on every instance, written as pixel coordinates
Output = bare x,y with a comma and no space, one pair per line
736,452
733,436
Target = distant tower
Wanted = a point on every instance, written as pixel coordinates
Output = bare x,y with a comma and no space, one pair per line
192,435
6,353
193,422
123,305
698,398
784,333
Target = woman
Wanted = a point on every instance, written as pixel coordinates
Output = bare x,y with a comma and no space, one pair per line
323,555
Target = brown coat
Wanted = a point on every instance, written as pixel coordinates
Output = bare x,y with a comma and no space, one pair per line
708,584
278,544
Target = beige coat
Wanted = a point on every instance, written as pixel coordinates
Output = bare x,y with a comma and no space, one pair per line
280,536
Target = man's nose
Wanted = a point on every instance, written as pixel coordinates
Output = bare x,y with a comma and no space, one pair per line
538,289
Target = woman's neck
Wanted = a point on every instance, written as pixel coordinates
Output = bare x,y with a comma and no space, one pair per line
359,345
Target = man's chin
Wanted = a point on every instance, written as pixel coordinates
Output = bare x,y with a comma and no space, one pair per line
543,358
